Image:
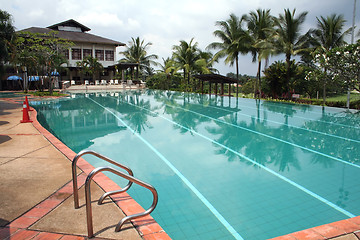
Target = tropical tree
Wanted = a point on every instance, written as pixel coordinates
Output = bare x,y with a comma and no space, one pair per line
185,55
137,52
234,41
7,33
329,32
260,27
91,66
39,53
288,39
168,68
327,35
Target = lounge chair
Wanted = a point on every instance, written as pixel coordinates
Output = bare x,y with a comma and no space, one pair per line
86,82
72,82
97,82
116,82
111,82
103,82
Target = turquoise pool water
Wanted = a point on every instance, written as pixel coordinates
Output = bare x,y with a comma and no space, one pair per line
223,168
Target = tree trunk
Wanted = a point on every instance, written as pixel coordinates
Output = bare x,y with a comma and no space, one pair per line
324,88
258,76
288,58
237,76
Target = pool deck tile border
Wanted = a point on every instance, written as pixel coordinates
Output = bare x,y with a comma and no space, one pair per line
147,227
348,227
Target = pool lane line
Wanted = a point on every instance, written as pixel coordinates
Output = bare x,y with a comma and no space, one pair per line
310,119
259,133
223,221
304,129
318,197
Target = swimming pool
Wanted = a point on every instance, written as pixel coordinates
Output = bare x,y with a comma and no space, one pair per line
224,168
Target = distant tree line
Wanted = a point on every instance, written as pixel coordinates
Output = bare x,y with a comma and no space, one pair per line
328,63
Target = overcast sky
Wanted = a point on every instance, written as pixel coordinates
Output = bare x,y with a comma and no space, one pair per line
165,22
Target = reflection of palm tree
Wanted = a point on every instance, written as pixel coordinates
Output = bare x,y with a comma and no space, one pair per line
287,111
132,107
138,120
343,149
251,145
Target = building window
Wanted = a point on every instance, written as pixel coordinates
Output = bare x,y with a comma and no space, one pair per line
99,54
87,52
66,53
109,55
76,54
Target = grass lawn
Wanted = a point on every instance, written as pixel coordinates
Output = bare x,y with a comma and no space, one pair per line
343,97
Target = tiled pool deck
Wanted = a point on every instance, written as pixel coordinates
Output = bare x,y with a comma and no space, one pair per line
21,226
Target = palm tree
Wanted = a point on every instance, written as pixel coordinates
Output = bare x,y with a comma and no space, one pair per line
287,37
327,35
329,32
234,41
260,27
136,52
91,65
185,55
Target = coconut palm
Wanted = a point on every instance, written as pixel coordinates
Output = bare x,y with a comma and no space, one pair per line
327,35
288,39
189,58
136,52
329,32
260,27
234,41
91,65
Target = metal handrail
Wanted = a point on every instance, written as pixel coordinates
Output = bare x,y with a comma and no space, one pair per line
74,176
124,219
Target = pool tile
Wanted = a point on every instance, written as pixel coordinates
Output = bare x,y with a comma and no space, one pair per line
70,237
37,212
7,231
307,234
285,237
49,203
23,222
355,220
24,235
157,236
346,225
48,236
328,231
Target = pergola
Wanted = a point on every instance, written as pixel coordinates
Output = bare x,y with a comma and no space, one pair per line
216,79
124,66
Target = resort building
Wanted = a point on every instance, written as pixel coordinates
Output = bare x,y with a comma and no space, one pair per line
85,44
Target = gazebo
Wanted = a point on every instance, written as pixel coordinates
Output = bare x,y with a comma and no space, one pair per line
124,66
216,79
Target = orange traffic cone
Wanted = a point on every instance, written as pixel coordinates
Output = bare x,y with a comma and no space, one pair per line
27,104
26,118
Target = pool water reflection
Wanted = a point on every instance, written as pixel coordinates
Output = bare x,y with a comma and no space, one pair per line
224,168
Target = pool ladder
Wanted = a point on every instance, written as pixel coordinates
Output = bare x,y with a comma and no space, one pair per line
129,176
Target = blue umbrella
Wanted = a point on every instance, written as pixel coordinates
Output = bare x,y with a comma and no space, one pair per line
14,78
34,78
55,73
